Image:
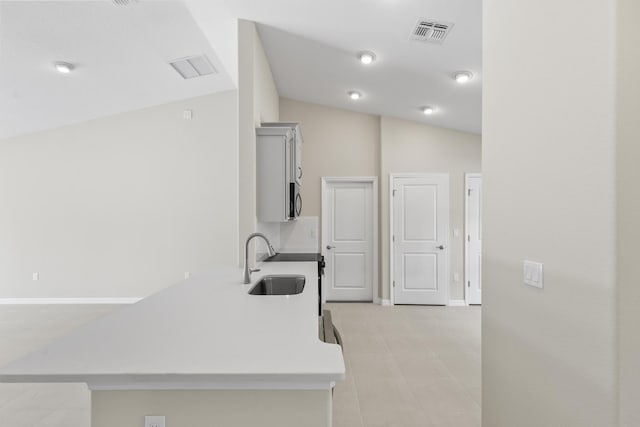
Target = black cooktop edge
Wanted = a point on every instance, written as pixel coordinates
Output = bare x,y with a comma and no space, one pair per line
291,256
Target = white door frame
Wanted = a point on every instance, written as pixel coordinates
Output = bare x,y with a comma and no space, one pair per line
374,200
392,178
466,225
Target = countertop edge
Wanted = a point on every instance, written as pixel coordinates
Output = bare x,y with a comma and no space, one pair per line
191,381
322,365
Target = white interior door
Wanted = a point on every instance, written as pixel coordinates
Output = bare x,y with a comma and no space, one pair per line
348,211
473,244
420,239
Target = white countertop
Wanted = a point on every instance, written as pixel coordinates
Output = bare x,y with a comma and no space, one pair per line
204,333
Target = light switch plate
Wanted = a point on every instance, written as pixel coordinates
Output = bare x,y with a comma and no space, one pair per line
533,274
154,421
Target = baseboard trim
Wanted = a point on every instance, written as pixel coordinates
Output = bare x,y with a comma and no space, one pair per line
67,301
457,303
382,302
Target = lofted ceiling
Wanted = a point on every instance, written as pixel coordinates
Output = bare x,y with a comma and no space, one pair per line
312,47
122,53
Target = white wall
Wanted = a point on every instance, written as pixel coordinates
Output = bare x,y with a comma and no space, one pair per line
336,143
548,152
408,147
120,206
258,102
266,108
344,143
266,101
628,128
246,136
229,408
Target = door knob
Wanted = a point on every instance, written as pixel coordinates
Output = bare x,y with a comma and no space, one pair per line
440,247
330,247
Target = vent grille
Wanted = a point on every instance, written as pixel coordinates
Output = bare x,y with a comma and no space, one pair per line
193,66
427,30
123,2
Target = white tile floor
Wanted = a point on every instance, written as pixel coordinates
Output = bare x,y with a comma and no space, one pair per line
406,366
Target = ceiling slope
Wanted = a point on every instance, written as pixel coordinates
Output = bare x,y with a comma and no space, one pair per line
312,47
121,54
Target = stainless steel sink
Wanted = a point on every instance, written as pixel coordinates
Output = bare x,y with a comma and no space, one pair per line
284,284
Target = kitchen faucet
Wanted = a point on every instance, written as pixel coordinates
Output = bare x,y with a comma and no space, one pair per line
247,270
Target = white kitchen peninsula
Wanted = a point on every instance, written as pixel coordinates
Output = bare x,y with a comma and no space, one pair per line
202,352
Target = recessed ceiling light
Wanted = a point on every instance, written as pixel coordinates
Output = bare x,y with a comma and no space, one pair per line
355,95
366,57
463,76
63,67
427,110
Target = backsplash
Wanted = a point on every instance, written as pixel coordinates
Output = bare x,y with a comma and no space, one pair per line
272,231
300,235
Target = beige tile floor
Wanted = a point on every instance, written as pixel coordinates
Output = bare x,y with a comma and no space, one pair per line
406,366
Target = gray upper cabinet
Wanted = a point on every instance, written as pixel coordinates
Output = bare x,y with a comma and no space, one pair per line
278,174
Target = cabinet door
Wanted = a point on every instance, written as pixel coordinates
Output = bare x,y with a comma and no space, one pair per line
272,174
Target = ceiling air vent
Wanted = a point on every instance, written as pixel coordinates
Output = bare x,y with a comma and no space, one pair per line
123,2
427,30
193,66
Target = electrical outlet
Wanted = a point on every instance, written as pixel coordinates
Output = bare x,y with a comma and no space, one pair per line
154,421
35,276
456,277
187,274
